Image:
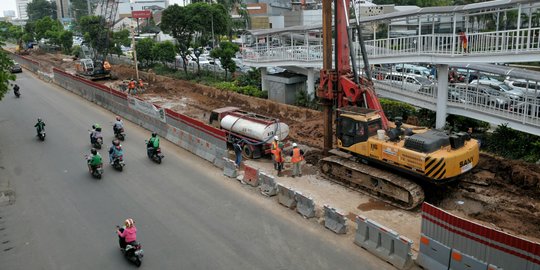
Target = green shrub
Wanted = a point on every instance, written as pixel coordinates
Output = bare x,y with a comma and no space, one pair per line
393,109
510,143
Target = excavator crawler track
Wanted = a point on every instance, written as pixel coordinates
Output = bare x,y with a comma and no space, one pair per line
388,187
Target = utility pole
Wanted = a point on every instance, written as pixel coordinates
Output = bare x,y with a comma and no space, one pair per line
134,52
327,66
213,38
88,6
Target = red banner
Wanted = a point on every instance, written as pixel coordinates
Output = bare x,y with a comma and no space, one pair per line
141,14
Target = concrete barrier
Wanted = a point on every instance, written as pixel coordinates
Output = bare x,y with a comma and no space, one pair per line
251,176
384,243
305,206
286,196
433,255
461,261
229,168
268,185
334,220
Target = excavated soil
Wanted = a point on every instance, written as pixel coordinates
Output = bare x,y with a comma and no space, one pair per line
498,192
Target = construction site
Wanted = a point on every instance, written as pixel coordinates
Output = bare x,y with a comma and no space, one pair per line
499,193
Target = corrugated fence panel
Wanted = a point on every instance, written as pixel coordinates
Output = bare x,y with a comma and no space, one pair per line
480,242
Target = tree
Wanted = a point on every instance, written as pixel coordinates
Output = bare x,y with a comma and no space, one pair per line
119,39
5,74
164,52
177,21
93,31
65,38
225,52
38,9
144,49
79,8
47,28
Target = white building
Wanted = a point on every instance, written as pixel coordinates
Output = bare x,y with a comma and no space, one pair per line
21,8
9,13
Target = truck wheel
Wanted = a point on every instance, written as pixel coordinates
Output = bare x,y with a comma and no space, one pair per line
247,153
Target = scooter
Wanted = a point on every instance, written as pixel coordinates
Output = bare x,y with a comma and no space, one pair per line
41,135
119,134
98,143
118,163
157,156
133,251
96,172
17,93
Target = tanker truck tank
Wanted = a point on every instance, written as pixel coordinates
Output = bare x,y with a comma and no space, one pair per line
254,129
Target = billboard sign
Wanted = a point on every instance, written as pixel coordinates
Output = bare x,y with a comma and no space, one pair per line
141,14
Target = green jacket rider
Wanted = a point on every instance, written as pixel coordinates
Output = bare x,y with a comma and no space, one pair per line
95,160
154,141
40,125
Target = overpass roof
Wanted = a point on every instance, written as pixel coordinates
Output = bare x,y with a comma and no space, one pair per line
404,14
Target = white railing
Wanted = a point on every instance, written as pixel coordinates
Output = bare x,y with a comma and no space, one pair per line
501,42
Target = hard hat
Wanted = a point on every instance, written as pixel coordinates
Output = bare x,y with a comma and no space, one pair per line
276,138
129,222
294,145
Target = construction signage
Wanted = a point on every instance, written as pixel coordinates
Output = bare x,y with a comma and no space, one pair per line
141,14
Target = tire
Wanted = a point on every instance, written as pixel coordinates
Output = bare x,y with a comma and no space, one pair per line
121,168
138,262
98,176
247,153
158,160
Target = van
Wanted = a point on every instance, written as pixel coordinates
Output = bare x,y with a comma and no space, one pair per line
412,83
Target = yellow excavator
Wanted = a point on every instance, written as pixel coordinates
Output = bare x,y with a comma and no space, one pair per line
385,160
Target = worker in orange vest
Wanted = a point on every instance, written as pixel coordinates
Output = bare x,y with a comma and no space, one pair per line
141,85
131,87
275,145
297,156
278,159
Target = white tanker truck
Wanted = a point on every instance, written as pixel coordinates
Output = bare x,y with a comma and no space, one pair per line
255,131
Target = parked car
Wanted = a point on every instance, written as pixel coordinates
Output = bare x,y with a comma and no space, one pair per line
513,94
530,106
414,69
15,68
408,82
529,88
480,94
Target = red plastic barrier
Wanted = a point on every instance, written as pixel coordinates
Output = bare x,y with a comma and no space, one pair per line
251,176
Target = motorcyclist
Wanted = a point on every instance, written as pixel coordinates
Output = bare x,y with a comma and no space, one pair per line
115,150
153,144
94,160
118,125
16,89
127,234
40,126
96,133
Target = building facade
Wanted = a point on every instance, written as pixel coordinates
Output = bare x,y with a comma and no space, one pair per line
21,9
62,9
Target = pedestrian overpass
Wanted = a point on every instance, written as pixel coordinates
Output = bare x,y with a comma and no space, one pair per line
497,32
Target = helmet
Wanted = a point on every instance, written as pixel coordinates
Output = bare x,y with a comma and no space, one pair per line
116,142
118,118
98,129
154,134
294,145
129,222
96,126
93,151
39,119
276,138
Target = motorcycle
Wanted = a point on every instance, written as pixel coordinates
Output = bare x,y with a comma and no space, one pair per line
97,172
118,163
156,156
17,93
41,135
119,134
133,251
98,143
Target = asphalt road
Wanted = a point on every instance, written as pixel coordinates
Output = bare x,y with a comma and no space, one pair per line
188,215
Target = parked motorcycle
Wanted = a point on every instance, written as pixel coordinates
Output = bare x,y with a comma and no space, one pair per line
118,163
119,134
156,156
16,91
41,135
133,251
